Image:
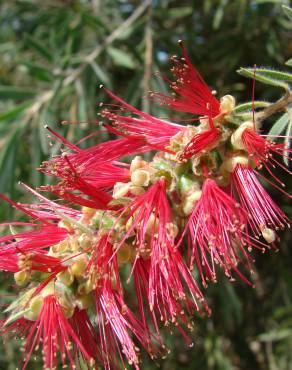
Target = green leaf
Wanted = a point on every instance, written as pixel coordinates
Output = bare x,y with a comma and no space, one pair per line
288,134
15,93
15,316
273,78
101,74
248,106
39,47
289,62
275,335
121,58
276,75
280,125
180,12
288,11
38,71
15,111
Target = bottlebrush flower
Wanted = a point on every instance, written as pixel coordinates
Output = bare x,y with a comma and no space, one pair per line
200,187
201,142
265,217
259,149
154,131
217,232
52,331
148,219
193,94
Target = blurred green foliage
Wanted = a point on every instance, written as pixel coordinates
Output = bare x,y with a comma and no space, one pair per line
54,54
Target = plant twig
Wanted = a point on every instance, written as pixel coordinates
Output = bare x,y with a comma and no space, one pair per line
148,60
279,106
108,40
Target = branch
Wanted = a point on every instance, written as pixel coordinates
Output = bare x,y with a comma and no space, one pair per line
148,60
108,40
280,105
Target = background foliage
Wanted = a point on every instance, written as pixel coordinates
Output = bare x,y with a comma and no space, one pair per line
53,56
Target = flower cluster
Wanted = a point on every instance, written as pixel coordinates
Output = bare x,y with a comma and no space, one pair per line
148,227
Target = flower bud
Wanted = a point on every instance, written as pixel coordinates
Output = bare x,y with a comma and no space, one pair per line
227,104
65,277
137,190
140,177
137,162
68,312
124,254
85,242
236,137
60,247
49,289
22,277
79,265
85,288
190,202
121,189
35,307
83,302
230,164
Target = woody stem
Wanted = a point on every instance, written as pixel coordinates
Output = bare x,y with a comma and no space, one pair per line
278,106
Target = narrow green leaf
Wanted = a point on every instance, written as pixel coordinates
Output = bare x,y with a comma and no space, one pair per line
277,75
15,111
289,62
280,125
288,11
121,58
101,74
38,71
39,47
288,140
15,316
180,12
264,78
275,335
15,93
248,106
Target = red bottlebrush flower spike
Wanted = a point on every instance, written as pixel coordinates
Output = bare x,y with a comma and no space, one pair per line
151,223
53,331
114,319
154,131
261,150
217,233
200,143
264,215
193,94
